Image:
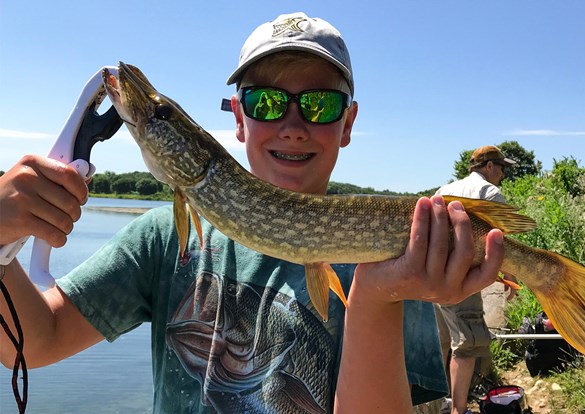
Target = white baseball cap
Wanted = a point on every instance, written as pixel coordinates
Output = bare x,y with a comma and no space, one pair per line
295,31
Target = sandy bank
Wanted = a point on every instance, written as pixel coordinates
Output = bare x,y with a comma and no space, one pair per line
127,210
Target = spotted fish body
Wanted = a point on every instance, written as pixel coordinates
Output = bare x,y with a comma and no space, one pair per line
316,230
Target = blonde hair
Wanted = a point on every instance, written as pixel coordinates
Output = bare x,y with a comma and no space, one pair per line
279,65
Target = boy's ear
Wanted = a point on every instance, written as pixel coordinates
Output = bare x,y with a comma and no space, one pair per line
239,115
348,124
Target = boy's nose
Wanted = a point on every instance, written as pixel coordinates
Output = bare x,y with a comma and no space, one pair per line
293,124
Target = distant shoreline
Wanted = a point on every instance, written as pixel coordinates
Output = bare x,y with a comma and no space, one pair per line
127,210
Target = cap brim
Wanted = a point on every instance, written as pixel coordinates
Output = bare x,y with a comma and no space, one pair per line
239,72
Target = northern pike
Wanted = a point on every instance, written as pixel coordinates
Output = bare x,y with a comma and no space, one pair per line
317,230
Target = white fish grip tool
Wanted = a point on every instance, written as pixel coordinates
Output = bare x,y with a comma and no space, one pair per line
83,128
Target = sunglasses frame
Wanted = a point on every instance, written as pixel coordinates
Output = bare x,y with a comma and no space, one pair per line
296,98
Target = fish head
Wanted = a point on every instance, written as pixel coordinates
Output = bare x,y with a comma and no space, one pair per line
176,150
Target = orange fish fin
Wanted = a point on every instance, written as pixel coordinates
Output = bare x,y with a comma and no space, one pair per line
497,215
317,280
320,278
334,283
509,283
181,220
197,224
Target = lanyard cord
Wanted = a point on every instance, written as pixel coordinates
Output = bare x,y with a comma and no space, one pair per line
19,362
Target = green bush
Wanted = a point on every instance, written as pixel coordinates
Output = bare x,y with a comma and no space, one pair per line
556,201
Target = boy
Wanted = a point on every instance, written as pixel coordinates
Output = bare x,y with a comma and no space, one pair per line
233,330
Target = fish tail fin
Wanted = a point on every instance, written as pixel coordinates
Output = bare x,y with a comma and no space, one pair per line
564,303
497,215
320,278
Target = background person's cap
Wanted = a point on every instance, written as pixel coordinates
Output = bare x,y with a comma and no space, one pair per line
295,31
489,153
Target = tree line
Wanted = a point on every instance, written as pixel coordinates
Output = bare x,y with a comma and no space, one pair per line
140,184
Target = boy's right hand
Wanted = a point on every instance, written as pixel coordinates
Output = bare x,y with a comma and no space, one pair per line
41,197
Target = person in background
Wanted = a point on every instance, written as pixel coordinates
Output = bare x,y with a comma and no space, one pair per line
463,324
234,330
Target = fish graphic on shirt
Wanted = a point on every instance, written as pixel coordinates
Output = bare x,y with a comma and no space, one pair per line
252,348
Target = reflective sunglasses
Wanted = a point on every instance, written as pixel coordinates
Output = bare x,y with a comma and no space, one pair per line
318,106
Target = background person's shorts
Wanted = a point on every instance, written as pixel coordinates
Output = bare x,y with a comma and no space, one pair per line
464,323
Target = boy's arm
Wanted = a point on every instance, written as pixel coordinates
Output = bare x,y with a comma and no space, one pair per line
53,328
372,375
41,197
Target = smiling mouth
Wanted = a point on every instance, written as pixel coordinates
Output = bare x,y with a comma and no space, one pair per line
292,157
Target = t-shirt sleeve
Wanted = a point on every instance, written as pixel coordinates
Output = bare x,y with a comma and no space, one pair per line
493,193
113,288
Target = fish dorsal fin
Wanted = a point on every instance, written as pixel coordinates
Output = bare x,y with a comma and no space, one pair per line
498,215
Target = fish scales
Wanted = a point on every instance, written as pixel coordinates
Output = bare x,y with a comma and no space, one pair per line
305,244
316,230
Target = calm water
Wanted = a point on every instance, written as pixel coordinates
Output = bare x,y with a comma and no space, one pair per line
109,377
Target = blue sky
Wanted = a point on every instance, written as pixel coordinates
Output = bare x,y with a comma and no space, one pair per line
433,78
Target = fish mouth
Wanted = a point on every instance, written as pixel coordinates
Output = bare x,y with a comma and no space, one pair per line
292,157
112,85
129,92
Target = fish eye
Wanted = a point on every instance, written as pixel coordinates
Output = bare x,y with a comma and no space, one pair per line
163,112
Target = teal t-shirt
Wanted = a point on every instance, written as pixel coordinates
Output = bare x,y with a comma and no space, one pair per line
233,331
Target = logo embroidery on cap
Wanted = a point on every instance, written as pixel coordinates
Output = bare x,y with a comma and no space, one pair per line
291,24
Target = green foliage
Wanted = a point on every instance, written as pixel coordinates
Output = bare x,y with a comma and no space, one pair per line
148,186
526,164
100,184
123,185
461,166
524,304
556,201
505,354
525,161
568,175
572,383
345,188
137,184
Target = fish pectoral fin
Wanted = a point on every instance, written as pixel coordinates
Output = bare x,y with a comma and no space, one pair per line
335,284
320,278
197,223
181,220
509,283
498,215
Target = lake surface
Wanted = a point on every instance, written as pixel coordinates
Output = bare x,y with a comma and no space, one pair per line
109,377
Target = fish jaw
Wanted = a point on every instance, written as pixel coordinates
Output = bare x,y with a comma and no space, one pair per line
158,125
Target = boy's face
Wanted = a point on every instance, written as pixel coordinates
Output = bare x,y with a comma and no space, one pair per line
291,152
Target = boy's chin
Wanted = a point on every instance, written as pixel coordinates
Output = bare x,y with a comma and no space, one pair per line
300,186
